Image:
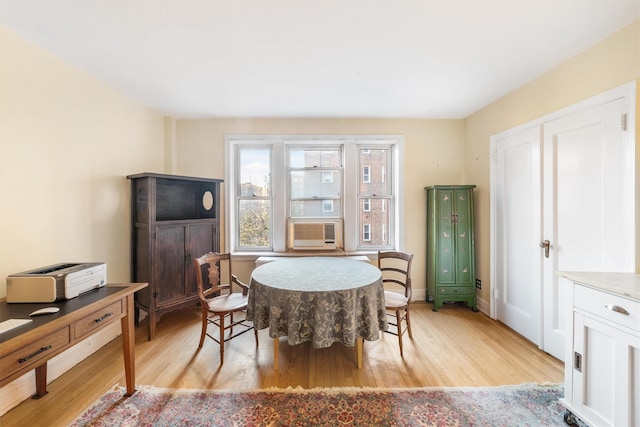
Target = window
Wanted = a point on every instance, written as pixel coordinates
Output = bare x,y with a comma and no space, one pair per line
327,177
366,174
314,181
253,194
376,194
273,180
366,232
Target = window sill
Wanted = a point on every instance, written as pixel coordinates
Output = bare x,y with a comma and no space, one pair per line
253,256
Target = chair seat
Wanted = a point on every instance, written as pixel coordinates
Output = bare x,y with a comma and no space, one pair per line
230,302
395,300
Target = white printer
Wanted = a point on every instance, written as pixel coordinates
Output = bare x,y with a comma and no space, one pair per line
56,282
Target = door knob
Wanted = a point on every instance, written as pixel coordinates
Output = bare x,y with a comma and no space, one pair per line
546,245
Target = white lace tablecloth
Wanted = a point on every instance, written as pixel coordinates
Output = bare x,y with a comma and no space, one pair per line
318,299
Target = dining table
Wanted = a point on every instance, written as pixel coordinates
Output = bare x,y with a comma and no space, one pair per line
323,300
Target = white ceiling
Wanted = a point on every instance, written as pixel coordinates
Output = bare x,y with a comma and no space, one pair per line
316,58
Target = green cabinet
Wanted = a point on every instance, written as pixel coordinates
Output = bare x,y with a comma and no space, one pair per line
450,245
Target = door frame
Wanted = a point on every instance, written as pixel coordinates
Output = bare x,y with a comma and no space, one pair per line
628,91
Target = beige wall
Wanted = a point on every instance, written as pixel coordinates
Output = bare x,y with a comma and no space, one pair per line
434,147
606,65
68,140
433,155
67,143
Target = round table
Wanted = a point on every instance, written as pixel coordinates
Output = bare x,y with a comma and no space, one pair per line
318,299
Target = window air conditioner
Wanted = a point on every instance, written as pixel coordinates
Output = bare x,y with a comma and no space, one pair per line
316,235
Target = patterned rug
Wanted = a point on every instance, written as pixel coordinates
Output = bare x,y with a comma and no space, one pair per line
522,405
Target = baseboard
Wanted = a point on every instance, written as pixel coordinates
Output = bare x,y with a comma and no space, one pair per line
419,295
483,306
22,388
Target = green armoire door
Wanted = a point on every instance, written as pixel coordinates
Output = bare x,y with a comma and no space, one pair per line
450,245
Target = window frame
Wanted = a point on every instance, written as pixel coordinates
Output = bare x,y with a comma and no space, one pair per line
280,192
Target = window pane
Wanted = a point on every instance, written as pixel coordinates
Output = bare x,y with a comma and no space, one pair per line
254,172
378,220
374,169
254,219
311,184
325,158
315,208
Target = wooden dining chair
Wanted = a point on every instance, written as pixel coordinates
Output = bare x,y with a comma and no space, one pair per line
396,279
219,302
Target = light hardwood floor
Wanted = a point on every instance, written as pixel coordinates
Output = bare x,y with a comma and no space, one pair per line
453,347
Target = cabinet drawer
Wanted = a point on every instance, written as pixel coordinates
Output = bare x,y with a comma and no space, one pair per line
455,290
604,305
34,352
96,319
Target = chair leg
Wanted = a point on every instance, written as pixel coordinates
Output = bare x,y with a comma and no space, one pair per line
204,327
399,326
408,323
231,323
255,333
221,338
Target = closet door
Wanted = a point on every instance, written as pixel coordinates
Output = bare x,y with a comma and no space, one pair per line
517,209
569,179
588,202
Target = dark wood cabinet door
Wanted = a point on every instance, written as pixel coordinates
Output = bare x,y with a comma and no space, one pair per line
169,268
203,238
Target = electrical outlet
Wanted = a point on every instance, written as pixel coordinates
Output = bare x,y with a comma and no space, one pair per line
478,284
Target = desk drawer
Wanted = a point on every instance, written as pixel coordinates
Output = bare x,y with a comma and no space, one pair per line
97,319
608,306
34,352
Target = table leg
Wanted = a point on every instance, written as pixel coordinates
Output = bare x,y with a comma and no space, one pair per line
128,345
41,381
276,343
359,345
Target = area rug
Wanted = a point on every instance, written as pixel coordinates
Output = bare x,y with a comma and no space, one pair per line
522,405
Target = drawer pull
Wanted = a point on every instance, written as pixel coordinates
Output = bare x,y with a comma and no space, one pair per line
42,350
100,319
617,309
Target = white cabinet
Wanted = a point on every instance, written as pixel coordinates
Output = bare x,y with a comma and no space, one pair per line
602,358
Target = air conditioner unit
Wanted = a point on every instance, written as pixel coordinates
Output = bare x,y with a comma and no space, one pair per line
315,235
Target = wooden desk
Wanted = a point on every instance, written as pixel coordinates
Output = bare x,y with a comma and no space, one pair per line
30,346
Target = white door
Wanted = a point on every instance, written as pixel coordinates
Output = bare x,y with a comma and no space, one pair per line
518,258
569,179
585,203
